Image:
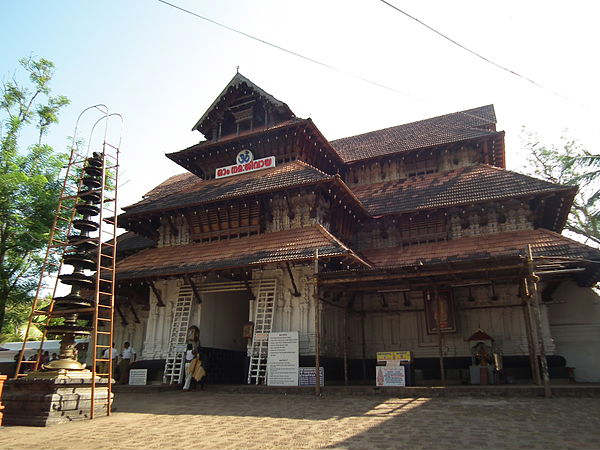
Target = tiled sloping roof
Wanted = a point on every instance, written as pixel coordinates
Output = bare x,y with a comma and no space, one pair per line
202,145
187,192
543,243
131,242
288,245
467,185
176,183
454,127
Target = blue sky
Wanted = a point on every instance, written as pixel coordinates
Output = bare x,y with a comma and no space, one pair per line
161,68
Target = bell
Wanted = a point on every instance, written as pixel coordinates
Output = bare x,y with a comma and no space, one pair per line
92,183
80,260
87,210
85,225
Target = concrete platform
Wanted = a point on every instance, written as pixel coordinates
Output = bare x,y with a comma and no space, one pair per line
42,402
518,390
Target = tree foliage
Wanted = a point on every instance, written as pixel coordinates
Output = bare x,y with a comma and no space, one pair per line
572,164
29,183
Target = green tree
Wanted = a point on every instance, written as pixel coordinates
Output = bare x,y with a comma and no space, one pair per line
570,163
29,182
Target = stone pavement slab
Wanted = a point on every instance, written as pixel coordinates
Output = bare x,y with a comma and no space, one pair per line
190,420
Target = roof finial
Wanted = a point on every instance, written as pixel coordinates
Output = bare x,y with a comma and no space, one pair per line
237,69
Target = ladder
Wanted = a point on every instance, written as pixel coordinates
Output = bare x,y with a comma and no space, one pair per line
87,182
175,364
263,322
52,264
104,292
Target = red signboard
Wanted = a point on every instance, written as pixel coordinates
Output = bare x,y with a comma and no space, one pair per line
237,169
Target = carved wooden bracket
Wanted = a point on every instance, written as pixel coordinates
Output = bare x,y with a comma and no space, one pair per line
195,290
135,316
159,301
123,321
248,288
295,292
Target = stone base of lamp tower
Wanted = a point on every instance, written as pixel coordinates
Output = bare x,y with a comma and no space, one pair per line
52,397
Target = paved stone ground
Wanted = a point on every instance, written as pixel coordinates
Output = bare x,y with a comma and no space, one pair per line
178,420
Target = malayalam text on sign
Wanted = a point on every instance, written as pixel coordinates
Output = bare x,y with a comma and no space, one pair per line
237,169
282,359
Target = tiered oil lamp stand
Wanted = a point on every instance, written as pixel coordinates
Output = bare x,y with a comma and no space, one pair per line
60,390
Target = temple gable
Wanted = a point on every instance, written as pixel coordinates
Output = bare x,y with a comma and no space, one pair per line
242,106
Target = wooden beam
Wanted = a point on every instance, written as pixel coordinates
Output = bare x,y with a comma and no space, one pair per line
295,293
157,294
416,274
195,291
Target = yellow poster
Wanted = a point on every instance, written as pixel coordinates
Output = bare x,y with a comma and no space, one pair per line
404,356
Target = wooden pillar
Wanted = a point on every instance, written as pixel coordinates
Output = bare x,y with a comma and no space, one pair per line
345,345
440,335
317,327
542,354
364,343
531,342
534,296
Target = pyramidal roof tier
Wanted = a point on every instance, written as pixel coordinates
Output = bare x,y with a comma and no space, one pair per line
239,88
466,186
188,190
440,130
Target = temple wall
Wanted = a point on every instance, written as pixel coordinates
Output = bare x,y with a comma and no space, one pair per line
286,212
400,168
296,211
502,319
574,317
461,223
293,313
133,332
165,231
156,341
220,318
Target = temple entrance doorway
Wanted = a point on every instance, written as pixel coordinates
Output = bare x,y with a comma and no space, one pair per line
223,312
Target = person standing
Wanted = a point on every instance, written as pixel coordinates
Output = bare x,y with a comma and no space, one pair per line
196,370
189,356
127,357
107,355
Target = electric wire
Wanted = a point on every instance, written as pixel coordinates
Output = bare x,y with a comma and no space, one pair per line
473,52
292,52
367,80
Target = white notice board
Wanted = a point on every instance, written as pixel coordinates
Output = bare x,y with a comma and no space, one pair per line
138,377
390,376
282,359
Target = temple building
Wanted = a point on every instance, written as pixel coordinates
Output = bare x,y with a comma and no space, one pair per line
410,238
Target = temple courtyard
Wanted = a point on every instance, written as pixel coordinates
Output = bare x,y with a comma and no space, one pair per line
189,420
